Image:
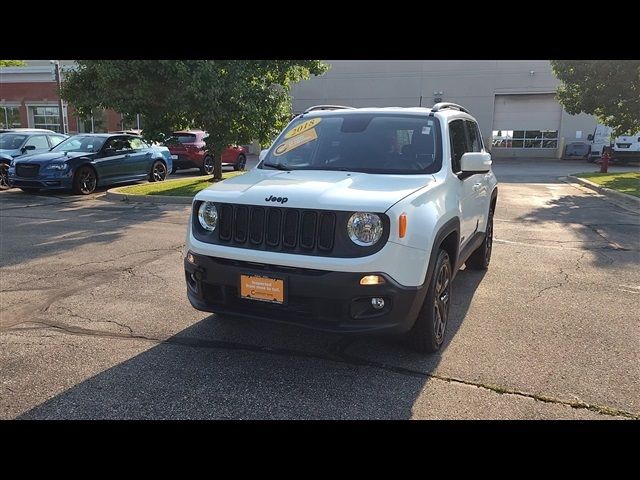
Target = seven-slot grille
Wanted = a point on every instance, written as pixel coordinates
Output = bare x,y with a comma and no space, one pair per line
276,228
28,170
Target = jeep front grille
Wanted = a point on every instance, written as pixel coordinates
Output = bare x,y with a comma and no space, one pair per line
283,229
276,228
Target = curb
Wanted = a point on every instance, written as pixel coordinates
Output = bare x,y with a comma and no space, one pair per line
115,196
606,191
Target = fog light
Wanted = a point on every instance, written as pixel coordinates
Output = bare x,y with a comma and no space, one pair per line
191,258
372,280
377,303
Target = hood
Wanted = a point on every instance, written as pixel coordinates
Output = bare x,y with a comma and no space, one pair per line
327,190
49,156
7,153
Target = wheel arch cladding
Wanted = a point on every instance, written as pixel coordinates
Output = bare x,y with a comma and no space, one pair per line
448,238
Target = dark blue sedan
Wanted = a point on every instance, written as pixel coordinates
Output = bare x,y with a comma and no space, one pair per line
86,161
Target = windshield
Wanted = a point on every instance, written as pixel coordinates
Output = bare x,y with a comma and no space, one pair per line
181,138
80,144
362,142
11,141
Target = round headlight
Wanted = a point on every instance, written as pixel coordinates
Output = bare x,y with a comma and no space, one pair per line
364,229
208,216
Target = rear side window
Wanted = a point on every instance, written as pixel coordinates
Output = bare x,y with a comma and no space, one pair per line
38,141
475,139
459,145
137,143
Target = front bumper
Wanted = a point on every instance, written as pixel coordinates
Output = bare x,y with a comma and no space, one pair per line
626,154
49,181
318,299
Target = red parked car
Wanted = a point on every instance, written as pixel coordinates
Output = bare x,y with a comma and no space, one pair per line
188,150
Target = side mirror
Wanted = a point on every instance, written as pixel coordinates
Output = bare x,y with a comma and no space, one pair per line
590,137
263,154
28,147
107,152
475,162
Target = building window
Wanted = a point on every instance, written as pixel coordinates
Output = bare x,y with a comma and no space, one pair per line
132,122
45,117
10,117
525,139
95,123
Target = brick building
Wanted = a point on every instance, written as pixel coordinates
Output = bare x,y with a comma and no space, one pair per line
29,99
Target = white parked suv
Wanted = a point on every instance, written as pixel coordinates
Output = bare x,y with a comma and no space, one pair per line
355,220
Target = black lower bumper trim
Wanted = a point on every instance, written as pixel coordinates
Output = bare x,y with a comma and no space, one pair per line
323,300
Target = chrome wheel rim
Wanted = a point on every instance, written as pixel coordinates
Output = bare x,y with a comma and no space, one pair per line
208,165
441,301
159,172
4,178
87,181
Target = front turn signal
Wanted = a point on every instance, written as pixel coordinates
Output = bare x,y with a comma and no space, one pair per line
402,225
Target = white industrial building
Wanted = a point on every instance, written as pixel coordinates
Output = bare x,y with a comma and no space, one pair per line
513,100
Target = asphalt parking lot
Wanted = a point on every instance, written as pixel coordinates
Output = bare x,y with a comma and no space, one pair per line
95,324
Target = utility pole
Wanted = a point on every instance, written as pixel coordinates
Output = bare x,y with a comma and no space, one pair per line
56,69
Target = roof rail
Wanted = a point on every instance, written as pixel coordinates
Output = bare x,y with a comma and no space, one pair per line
444,105
327,107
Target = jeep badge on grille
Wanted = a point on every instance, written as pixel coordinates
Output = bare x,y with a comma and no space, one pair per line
276,199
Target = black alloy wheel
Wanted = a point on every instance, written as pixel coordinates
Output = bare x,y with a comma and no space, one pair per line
85,181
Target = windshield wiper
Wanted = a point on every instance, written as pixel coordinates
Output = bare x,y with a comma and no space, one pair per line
277,166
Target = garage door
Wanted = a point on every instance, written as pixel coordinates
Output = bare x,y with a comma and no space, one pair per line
526,125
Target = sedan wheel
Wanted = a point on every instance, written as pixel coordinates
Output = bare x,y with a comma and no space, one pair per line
4,177
85,181
158,172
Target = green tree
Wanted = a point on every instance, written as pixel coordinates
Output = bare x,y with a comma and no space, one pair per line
608,89
236,101
12,63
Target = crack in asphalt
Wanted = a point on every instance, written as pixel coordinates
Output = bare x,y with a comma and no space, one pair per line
558,285
561,245
614,245
337,353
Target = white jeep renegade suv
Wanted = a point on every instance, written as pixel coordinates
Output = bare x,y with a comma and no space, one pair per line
355,220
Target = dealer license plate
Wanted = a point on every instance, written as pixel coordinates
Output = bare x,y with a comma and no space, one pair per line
174,157
264,289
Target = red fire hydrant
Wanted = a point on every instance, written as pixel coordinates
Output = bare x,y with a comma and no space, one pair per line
604,165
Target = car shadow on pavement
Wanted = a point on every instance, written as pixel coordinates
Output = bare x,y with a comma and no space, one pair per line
232,368
71,222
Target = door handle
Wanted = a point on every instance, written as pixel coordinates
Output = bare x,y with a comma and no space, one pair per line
126,155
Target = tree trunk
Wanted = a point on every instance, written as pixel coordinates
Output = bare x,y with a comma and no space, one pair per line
217,165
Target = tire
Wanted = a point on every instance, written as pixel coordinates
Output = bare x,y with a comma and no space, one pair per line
207,166
428,332
241,162
31,190
4,177
85,181
158,171
479,260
